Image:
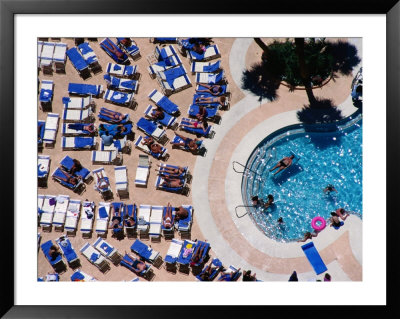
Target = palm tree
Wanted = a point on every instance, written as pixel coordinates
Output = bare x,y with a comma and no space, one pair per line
263,46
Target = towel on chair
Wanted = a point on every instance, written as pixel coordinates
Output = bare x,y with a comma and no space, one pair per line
103,212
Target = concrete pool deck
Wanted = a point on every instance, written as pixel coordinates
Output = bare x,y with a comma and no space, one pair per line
217,188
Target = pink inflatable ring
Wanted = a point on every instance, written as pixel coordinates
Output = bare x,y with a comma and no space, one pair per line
319,219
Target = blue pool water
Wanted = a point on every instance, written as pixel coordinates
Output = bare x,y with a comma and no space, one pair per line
325,158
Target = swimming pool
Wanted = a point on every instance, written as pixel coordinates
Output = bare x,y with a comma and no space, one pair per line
324,158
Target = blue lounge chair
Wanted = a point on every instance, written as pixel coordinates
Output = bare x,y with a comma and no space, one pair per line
200,146
314,258
46,94
206,67
78,62
50,277
78,116
211,78
211,52
173,73
185,255
131,211
165,173
67,163
174,85
173,253
211,112
198,131
56,261
128,262
41,126
163,65
163,40
160,180
85,89
214,273
118,212
120,70
168,120
95,257
165,103
76,129
68,251
107,250
147,150
105,192
78,143
150,129
227,274
112,130
131,48
78,103
50,129
58,176
43,169
113,51
206,249
145,252
119,98
120,84
200,88
90,57
79,275
104,116
184,225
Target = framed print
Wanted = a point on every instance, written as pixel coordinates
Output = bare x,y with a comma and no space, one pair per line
211,147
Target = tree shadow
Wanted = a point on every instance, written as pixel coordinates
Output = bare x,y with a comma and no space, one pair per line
260,82
321,111
345,57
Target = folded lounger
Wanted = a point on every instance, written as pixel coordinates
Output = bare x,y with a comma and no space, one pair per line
89,56
151,129
106,158
127,262
120,70
185,255
206,247
41,128
43,169
55,261
72,217
104,116
50,129
193,130
67,163
174,85
146,149
60,57
78,62
155,223
121,181
160,180
60,212
102,184
78,143
94,257
47,212
230,270
67,250
113,51
119,98
121,84
78,103
177,139
102,218
147,253
144,220
46,94
314,258
211,112
59,176
163,65
87,217
46,57
130,48
206,67
78,116
85,89
211,78
165,103
131,211
211,52
224,90
107,250
216,264
184,225
168,120
79,275
142,170
173,254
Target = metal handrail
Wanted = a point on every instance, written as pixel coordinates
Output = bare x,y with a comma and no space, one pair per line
245,167
244,213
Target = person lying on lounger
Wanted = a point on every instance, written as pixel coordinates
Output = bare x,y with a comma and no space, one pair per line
283,163
202,113
157,114
197,125
198,253
342,213
181,213
307,236
102,181
126,42
69,178
76,167
137,265
207,100
188,143
205,276
115,223
228,276
167,222
116,116
129,221
247,276
154,147
170,170
53,252
82,127
171,182
199,48
111,46
212,89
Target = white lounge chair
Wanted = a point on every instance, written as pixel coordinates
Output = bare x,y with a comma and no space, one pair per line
94,256
60,212
121,181
155,223
48,207
142,170
106,157
144,220
87,217
107,250
43,170
72,217
50,129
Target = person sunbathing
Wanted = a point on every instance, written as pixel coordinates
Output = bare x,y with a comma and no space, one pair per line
172,182
202,113
168,218
154,147
53,252
171,170
198,254
69,178
137,265
102,181
129,221
76,167
283,163
307,235
111,46
214,89
157,114
188,143
247,276
82,127
207,100
228,276
197,125
115,223
181,213
126,42
117,116
199,48
206,274
342,213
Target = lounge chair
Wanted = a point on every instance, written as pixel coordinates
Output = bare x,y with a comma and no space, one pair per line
208,104
107,250
43,170
46,57
172,73
200,149
143,223
85,89
200,244
211,112
118,214
227,274
104,116
224,91
120,146
211,52
164,102
39,52
47,212
41,128
156,218
102,184
94,257
78,103
185,255
146,253
198,131
76,129
131,211
146,149
163,40
87,217
152,130
50,277
180,190
79,275
173,85
120,70
211,78
121,181
90,57
184,225
168,233
59,57
162,172
78,62
113,51
142,170
78,116
161,54
46,94
206,67
68,251
102,218
59,176
168,120
78,143
120,98
113,130
72,217
56,261
163,65
173,254
121,84
67,163
50,129
60,212
106,158
216,264
127,262
132,49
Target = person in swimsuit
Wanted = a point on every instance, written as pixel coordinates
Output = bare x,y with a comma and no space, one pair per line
157,114
199,48
202,114
102,182
196,257
197,125
129,221
168,218
69,178
82,127
270,201
307,236
283,163
214,89
335,221
228,276
53,252
247,276
342,213
126,42
154,147
76,167
171,170
188,143
111,46
114,115
115,222
171,182
181,213
329,188
137,265
207,100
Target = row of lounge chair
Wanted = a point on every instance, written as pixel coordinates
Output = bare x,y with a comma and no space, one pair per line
51,56
84,60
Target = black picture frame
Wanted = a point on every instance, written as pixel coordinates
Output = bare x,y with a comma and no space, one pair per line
9,8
